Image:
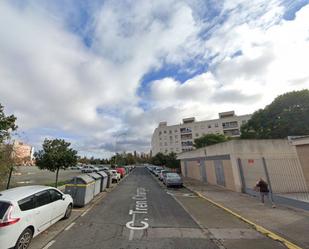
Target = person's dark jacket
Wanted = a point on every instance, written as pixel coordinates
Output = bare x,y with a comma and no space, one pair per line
263,186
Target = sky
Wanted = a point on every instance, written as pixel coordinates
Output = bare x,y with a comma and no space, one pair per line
103,74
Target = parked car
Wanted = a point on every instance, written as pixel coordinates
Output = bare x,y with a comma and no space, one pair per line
89,169
162,174
157,171
115,176
121,171
172,179
103,167
76,167
27,211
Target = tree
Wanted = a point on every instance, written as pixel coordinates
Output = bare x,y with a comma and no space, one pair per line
209,139
169,160
287,115
56,155
159,159
6,164
7,125
172,161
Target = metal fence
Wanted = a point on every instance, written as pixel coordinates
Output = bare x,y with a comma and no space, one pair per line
284,176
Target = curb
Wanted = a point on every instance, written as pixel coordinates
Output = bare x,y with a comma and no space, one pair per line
91,205
257,227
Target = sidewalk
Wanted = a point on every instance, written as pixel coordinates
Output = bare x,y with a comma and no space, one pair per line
289,223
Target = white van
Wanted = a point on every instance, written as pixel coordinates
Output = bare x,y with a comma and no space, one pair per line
27,211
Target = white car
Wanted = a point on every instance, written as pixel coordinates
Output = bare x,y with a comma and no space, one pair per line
27,211
115,176
89,169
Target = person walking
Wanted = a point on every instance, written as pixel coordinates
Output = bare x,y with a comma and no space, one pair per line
262,186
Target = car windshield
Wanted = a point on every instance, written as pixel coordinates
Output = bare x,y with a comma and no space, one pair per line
172,175
3,208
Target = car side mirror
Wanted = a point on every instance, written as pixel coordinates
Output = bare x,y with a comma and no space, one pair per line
63,197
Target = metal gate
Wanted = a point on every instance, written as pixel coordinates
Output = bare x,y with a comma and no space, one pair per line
203,170
186,168
284,176
219,172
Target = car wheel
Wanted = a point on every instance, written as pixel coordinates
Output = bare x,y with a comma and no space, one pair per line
68,212
24,239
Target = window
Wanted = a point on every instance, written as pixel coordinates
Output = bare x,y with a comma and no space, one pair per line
164,132
160,132
216,125
3,208
176,130
55,195
176,136
26,203
209,126
42,198
170,132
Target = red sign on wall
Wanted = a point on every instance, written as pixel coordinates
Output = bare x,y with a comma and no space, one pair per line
250,161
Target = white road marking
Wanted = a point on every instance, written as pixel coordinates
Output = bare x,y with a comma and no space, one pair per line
49,244
141,207
69,226
131,230
85,212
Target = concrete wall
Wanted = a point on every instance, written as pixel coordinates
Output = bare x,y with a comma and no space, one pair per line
194,170
229,175
210,172
182,165
303,155
287,172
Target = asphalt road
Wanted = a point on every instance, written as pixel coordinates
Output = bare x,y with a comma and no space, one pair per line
105,226
140,213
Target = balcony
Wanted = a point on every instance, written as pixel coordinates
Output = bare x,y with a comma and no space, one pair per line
186,136
230,125
185,130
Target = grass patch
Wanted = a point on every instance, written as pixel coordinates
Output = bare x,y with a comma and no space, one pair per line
60,183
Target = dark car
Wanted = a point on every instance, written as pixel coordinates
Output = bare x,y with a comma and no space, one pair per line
172,180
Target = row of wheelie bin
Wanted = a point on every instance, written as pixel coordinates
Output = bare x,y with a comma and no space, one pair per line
83,188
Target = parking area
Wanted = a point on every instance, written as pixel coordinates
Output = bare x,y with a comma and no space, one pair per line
32,175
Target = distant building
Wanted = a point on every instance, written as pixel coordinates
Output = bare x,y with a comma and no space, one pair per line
180,138
23,153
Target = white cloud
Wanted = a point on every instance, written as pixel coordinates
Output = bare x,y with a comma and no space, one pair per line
273,60
49,78
56,85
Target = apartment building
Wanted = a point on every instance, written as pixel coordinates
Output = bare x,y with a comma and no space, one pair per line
180,138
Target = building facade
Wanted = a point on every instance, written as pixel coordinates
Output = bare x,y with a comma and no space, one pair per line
180,138
23,153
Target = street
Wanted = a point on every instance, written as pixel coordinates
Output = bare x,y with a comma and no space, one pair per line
142,213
